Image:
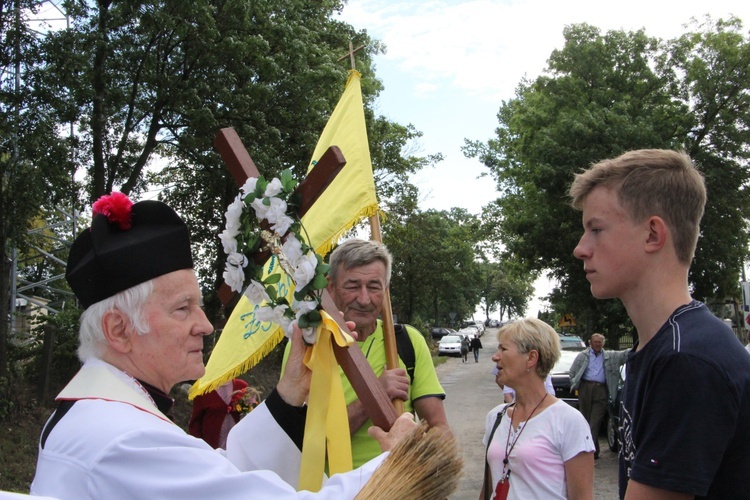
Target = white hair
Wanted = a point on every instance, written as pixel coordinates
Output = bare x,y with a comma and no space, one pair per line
130,302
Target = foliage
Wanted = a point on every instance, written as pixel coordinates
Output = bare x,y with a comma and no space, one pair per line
506,287
435,272
35,167
148,85
602,95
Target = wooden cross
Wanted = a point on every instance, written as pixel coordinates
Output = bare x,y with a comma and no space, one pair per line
350,55
359,372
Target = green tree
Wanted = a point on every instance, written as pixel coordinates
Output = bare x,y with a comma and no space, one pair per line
35,167
150,83
602,95
435,269
506,288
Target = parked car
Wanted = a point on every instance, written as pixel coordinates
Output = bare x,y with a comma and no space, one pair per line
450,345
467,333
571,343
441,331
561,378
478,327
474,324
494,323
472,328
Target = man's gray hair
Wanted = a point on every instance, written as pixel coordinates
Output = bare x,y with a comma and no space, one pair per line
357,253
130,302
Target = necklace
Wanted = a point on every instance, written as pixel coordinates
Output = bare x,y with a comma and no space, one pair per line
510,445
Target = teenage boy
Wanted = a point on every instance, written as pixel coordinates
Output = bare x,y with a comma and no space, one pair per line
685,413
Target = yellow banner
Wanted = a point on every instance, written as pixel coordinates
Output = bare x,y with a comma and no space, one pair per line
349,198
327,424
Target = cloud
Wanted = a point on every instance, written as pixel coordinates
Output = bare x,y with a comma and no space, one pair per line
485,47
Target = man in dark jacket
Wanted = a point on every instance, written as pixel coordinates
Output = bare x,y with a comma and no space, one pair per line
475,345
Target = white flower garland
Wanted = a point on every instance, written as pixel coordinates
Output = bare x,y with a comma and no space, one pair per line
243,236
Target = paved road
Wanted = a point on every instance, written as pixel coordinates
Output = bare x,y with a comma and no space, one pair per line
471,393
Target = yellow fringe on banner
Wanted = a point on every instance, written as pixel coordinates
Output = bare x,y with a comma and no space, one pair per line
365,213
327,424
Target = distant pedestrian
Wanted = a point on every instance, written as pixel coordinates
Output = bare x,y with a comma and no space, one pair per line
475,345
464,349
595,373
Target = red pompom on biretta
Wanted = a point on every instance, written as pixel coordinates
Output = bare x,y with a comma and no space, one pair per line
117,208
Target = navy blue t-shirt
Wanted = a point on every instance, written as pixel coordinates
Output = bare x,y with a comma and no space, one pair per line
685,415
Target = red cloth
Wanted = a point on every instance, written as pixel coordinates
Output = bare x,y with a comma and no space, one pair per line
209,411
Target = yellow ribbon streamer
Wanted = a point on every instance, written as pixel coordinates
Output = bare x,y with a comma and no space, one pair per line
327,422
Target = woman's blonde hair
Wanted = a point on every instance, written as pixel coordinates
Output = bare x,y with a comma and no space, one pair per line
530,334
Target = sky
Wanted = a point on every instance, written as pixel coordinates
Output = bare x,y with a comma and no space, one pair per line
450,64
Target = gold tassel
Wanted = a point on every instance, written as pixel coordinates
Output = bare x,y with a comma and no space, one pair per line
424,465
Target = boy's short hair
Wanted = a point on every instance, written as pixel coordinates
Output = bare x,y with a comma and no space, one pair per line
650,182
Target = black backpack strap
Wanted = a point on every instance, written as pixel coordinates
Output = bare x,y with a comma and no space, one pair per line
405,349
487,475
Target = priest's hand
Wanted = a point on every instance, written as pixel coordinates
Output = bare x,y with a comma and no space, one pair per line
294,385
399,430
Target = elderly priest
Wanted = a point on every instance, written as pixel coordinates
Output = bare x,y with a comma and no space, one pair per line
141,333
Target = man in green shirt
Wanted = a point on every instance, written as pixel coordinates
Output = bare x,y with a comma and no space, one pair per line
358,280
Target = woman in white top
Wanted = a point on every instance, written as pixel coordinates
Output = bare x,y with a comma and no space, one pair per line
542,447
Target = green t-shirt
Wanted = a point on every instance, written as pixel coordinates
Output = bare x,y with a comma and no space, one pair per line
425,384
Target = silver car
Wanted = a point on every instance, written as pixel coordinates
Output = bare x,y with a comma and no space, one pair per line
450,345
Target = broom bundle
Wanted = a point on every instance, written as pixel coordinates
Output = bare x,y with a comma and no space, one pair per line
424,465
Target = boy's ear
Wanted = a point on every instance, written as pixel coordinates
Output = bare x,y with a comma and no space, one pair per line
117,330
657,234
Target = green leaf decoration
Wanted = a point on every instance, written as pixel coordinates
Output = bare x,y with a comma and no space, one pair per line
294,201
303,322
272,279
288,183
319,282
301,293
260,186
314,316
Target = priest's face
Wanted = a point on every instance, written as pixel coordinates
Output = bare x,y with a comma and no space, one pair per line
359,293
172,350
